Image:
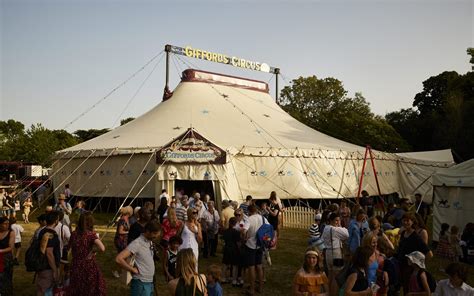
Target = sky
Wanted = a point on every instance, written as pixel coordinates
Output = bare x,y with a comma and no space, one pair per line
61,59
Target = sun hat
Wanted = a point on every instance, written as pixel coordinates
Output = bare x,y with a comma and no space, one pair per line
62,196
317,217
417,258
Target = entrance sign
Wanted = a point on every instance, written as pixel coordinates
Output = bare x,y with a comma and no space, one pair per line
222,58
191,148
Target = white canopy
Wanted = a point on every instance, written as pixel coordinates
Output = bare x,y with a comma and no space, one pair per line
453,200
264,150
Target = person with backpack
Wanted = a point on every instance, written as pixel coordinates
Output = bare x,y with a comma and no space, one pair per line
253,252
47,272
7,244
419,284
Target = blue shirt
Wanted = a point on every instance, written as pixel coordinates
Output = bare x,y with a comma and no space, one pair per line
356,233
214,290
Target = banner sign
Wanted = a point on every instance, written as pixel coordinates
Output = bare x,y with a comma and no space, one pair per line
221,58
191,148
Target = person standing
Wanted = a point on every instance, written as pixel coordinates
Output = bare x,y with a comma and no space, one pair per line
334,236
188,281
253,254
27,205
192,234
86,277
345,213
143,269
17,229
211,219
182,209
357,228
310,279
245,205
65,207
456,284
226,213
367,202
7,244
121,234
273,213
49,274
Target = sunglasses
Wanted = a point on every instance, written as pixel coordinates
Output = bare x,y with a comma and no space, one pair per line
238,215
195,213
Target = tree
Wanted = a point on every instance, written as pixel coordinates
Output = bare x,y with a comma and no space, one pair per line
323,104
470,51
126,120
12,134
85,135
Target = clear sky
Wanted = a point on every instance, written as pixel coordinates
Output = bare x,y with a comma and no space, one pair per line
58,58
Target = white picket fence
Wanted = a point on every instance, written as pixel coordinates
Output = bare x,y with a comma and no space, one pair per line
298,217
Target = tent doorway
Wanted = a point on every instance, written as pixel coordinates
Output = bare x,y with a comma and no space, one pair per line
191,186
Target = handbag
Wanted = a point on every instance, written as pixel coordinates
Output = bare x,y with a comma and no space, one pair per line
126,276
337,262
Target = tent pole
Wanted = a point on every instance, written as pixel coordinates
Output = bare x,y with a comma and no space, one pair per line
375,174
277,71
362,174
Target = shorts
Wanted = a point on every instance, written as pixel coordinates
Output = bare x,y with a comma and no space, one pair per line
139,288
44,280
18,245
252,257
330,255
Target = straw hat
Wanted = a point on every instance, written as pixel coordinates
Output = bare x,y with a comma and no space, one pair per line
62,196
417,258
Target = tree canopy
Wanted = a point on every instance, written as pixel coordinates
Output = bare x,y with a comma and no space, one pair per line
324,105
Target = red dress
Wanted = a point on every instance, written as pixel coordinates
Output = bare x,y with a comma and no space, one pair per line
86,278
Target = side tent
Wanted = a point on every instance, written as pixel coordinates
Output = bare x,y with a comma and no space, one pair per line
453,196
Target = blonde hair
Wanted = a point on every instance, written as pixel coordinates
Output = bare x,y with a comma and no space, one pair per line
367,240
172,217
186,265
128,210
190,213
215,271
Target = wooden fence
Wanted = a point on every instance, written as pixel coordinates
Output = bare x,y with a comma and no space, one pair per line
298,217
303,217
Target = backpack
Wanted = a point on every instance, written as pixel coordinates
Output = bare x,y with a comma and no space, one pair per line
431,280
265,235
35,260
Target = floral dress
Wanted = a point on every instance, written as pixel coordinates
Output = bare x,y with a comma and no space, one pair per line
86,278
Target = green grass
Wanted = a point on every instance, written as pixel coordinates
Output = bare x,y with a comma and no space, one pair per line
287,259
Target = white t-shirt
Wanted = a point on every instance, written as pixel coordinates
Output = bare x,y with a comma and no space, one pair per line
254,223
444,288
142,249
64,234
17,229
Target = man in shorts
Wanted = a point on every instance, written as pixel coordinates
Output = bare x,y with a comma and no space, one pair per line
253,254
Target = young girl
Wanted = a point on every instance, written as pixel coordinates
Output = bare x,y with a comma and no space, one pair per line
310,280
444,249
231,256
170,257
454,242
418,284
27,205
213,278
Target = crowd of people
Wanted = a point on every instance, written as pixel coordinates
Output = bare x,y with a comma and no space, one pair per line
351,250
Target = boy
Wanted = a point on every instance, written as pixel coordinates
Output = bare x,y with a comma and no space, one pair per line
170,256
456,284
18,229
213,278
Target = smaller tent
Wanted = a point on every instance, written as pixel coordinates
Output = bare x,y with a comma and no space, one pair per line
453,196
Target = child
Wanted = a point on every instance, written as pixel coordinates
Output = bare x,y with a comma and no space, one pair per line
454,242
418,283
456,284
315,235
170,257
27,205
310,279
444,249
264,210
18,229
231,256
213,278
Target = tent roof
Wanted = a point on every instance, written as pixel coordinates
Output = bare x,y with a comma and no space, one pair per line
461,175
231,116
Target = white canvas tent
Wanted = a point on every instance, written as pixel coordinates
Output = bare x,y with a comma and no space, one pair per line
229,131
453,199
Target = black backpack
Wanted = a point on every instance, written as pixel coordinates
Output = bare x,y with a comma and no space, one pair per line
35,260
431,280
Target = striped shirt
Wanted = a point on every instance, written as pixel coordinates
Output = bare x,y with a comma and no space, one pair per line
314,231
182,213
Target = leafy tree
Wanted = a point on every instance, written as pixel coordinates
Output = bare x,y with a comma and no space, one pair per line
442,115
85,135
323,104
126,120
12,134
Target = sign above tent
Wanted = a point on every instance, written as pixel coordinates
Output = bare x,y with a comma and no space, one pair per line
191,148
221,58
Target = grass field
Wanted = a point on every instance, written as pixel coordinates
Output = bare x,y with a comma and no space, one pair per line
286,261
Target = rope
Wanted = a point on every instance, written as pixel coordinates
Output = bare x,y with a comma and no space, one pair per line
52,193
111,92
95,171
137,91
